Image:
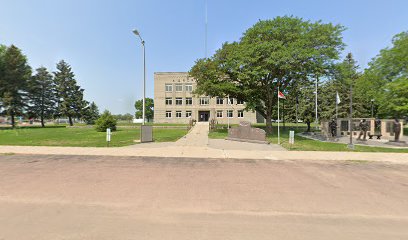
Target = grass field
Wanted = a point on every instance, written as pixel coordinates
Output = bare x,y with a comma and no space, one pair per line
304,144
80,137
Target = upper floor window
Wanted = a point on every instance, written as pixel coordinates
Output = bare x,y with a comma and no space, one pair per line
240,102
230,101
204,101
169,101
179,101
169,87
188,87
179,87
220,101
189,101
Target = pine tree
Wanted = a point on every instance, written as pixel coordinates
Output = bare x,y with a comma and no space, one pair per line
13,83
69,94
91,113
42,95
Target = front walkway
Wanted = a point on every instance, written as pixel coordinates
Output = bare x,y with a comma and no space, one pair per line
198,136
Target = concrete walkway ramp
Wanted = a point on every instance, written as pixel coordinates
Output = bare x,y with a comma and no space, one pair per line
198,136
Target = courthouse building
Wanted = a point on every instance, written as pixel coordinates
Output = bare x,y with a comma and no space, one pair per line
175,103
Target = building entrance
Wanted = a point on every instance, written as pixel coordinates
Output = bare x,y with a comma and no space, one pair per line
203,116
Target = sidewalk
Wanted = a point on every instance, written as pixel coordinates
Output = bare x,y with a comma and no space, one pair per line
197,145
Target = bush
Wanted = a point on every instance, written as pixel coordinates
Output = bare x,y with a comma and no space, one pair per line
106,120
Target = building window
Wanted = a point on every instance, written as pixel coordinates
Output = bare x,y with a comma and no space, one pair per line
179,87
240,113
204,101
179,101
219,114
189,87
168,114
188,114
178,114
240,102
189,101
220,101
169,101
230,101
169,87
230,114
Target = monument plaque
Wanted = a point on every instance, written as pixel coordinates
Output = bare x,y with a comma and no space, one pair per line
146,133
245,133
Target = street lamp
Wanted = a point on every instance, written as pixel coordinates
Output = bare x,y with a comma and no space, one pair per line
144,73
372,108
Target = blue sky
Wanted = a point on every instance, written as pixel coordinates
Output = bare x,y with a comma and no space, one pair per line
95,36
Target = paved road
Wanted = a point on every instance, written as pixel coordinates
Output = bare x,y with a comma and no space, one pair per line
95,197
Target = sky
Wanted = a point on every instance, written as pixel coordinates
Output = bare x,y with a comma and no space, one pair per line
95,36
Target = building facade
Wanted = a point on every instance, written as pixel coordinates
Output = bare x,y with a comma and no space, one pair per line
174,102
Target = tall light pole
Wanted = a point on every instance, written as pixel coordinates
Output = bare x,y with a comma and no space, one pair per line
372,108
144,74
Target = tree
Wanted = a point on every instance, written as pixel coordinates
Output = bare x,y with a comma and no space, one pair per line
13,85
42,95
2,52
70,95
281,52
91,113
149,109
344,74
106,120
385,78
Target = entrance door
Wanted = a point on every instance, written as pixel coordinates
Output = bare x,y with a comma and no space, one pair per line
203,116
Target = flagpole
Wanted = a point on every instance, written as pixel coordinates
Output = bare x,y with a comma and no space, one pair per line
278,118
316,121
337,94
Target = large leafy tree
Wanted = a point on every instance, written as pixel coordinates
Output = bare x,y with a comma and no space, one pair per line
385,80
281,52
69,93
13,82
149,108
42,95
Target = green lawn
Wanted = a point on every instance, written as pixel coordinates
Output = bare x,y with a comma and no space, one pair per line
80,137
304,144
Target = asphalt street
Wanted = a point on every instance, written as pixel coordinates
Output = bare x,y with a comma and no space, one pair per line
105,197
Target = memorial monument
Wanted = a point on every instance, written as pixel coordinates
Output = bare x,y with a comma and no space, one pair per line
245,133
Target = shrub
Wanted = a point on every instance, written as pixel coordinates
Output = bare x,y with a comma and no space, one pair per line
106,120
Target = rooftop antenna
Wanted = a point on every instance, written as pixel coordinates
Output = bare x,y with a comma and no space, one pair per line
206,24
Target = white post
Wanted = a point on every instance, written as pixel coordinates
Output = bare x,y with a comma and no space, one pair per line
144,82
278,119
228,103
108,136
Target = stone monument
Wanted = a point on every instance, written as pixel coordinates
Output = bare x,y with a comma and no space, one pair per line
245,133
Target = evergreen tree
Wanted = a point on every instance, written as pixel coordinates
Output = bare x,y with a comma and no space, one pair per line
91,113
42,95
13,83
70,95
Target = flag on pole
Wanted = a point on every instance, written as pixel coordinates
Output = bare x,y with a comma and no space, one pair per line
280,95
337,98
